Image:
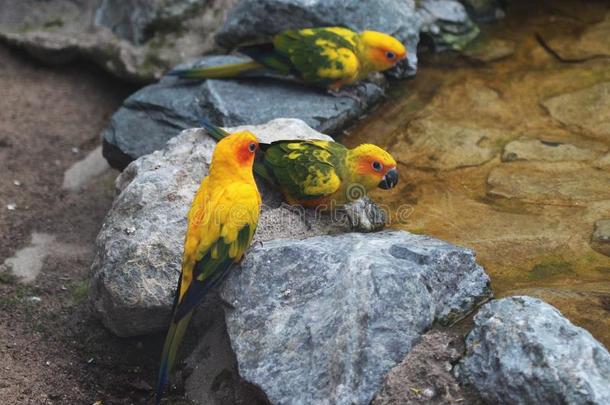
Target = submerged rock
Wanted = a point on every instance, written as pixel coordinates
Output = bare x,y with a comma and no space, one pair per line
535,149
436,143
139,247
600,240
523,351
549,182
322,320
586,110
157,113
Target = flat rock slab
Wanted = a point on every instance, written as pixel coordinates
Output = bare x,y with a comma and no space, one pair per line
587,109
558,183
157,113
433,142
535,149
139,248
523,351
322,320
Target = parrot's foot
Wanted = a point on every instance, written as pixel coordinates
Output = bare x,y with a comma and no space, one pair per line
352,92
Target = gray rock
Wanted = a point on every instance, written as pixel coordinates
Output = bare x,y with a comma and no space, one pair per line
485,10
447,24
523,351
600,240
322,320
157,113
134,39
139,247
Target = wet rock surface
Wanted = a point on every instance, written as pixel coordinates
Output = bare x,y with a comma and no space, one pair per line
325,318
586,109
549,183
601,236
535,149
139,247
523,351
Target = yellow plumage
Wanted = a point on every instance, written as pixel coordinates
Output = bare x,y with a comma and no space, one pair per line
221,225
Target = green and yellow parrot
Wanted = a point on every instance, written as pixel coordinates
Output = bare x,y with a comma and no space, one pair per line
329,57
321,174
221,224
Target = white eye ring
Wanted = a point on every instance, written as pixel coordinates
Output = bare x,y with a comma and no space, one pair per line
390,55
377,166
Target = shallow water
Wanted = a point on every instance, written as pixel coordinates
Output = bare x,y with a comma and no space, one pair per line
527,208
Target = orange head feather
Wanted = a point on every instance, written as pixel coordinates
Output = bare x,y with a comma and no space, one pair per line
234,154
372,167
382,51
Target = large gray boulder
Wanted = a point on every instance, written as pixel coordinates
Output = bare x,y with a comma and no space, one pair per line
523,351
157,113
136,40
322,320
139,248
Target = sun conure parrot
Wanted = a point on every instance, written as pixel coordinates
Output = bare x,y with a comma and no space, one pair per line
221,224
321,174
328,57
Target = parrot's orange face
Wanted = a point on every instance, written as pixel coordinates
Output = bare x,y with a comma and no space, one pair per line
239,147
374,167
383,51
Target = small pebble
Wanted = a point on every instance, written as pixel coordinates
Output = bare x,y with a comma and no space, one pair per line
428,393
75,150
35,300
90,360
130,230
17,183
11,206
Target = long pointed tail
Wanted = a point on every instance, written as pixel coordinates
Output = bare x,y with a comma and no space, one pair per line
216,72
170,350
214,131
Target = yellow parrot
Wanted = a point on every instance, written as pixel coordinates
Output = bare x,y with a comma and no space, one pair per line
221,224
329,57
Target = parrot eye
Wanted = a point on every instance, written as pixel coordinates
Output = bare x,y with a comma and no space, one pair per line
252,147
377,166
390,55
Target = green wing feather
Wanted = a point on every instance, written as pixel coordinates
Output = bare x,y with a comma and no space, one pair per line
313,52
306,169
208,273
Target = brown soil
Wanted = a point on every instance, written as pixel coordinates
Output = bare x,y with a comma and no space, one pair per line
53,351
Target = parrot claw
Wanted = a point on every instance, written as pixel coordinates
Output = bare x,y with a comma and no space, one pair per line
352,92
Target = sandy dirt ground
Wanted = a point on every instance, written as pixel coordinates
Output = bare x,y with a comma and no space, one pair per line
51,350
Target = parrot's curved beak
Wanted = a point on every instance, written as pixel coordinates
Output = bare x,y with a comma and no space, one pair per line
389,180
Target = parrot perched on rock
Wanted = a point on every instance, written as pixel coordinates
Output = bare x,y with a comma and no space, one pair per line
221,224
320,174
328,57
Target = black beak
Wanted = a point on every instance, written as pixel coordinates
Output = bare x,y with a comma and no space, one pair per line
389,180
